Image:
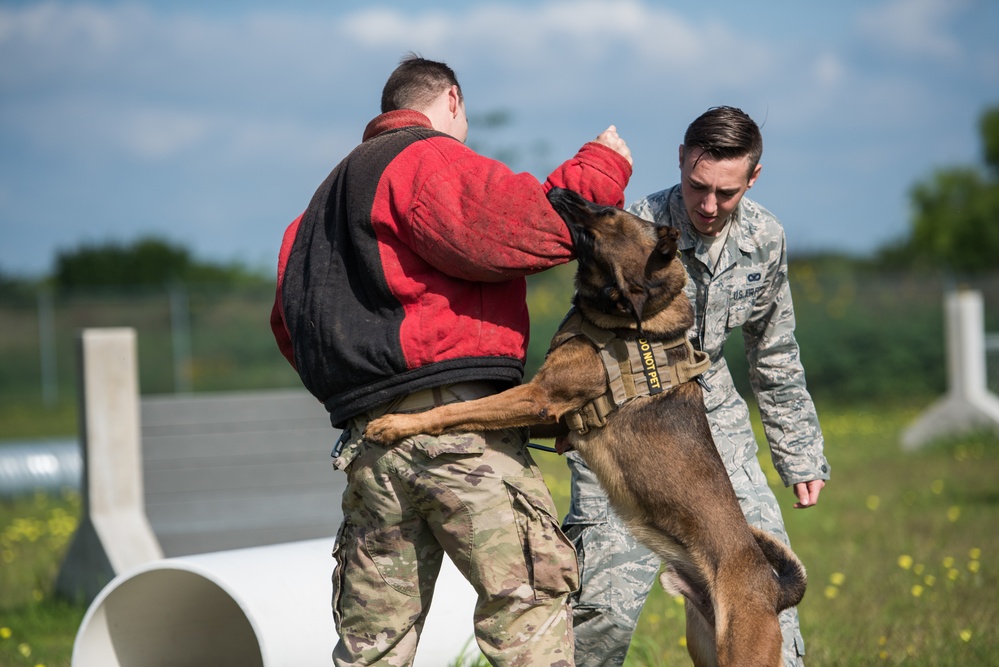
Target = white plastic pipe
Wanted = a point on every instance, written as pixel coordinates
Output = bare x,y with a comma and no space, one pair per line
262,606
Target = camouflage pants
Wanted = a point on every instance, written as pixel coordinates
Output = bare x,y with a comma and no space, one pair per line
617,572
481,499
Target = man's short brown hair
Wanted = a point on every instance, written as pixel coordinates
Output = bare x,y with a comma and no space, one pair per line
415,83
725,133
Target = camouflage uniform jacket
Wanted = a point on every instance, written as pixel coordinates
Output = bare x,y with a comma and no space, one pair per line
749,289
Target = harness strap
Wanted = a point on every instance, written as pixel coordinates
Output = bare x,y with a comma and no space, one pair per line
592,415
633,368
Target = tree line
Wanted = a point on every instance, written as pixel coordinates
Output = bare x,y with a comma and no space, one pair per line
955,214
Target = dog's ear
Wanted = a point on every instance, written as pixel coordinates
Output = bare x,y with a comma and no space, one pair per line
666,246
578,214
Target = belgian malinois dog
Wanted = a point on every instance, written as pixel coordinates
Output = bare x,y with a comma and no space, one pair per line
652,451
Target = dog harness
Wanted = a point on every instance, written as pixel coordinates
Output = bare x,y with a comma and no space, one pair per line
634,368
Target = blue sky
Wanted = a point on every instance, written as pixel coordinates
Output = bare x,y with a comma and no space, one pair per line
211,123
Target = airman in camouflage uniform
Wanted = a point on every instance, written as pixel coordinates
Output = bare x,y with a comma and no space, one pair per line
743,283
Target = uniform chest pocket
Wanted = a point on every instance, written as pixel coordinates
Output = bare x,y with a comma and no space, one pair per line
744,287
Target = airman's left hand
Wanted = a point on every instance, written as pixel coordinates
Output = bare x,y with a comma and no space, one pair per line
807,493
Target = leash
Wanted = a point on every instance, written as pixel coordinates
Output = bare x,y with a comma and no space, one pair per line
544,448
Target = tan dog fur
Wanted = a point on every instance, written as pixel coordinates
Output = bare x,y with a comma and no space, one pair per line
655,458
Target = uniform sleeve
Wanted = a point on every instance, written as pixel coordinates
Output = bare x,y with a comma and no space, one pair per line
778,379
476,219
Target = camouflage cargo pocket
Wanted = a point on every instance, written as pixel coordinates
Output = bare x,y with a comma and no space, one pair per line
472,442
550,556
338,576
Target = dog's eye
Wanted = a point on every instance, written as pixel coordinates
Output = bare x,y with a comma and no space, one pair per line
610,298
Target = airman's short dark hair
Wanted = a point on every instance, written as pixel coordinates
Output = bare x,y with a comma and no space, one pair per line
724,133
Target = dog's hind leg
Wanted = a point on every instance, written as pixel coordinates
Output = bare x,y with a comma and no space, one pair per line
701,641
747,631
700,613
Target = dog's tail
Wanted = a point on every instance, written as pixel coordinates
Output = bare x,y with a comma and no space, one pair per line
791,577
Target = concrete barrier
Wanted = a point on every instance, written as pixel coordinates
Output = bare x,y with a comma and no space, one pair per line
256,607
114,534
968,406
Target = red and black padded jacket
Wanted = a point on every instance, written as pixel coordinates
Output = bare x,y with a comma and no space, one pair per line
407,270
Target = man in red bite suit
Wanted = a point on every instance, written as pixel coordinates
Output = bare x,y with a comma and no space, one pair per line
402,287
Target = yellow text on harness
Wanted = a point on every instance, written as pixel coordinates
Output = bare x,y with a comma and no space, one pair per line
649,366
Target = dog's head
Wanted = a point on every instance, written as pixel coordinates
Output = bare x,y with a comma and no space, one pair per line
626,264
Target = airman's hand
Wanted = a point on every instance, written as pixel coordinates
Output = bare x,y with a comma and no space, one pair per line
808,493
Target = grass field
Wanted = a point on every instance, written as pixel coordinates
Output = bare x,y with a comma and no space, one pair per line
901,554
901,551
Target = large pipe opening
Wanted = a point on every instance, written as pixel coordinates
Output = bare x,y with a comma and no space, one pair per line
256,607
168,617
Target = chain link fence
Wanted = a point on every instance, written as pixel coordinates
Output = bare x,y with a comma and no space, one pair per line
862,337
190,339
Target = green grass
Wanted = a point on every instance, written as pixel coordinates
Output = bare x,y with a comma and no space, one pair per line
901,553
36,628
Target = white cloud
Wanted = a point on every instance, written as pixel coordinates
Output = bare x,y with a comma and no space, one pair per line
158,133
271,98
155,84
828,70
384,27
576,39
44,42
912,27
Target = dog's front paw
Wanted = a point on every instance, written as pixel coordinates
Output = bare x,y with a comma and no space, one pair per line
387,429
